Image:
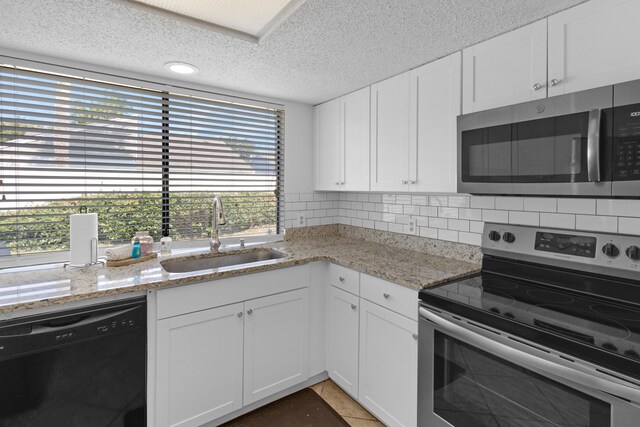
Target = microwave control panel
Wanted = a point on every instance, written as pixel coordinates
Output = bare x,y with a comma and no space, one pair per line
626,150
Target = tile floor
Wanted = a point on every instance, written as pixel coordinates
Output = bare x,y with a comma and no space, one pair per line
344,405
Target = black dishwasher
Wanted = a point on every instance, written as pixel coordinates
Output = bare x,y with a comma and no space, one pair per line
81,367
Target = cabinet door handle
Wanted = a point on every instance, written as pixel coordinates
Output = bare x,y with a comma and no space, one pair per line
250,312
554,82
341,278
386,295
404,181
353,306
337,183
536,86
415,337
240,314
412,182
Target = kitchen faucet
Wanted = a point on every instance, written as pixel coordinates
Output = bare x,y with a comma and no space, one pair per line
217,220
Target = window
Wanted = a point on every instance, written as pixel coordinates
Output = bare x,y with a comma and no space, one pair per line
143,159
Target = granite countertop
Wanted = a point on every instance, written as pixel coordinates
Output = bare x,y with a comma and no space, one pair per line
56,285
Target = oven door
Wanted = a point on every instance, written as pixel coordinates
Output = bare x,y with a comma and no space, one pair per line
471,376
557,146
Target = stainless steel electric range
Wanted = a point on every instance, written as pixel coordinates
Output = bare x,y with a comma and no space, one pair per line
548,334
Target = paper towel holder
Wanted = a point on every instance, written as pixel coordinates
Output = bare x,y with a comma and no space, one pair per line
93,247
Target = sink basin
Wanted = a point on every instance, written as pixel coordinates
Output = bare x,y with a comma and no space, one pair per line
220,260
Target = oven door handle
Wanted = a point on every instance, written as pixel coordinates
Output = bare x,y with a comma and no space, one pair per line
593,146
511,354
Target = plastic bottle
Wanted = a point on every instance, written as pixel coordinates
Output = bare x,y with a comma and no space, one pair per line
146,242
136,252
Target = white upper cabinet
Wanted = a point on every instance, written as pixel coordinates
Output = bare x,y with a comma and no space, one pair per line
390,134
327,146
435,105
342,143
355,140
507,69
594,44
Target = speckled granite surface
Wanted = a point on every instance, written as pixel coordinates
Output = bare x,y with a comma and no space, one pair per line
410,268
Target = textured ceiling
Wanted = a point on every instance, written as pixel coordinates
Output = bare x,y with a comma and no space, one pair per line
326,48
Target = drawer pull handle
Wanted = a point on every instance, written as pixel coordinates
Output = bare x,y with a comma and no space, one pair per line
386,296
415,337
353,306
250,312
341,279
240,314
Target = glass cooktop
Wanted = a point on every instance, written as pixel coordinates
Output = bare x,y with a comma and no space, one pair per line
586,326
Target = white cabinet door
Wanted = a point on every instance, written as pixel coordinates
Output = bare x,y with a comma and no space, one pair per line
327,146
506,69
435,106
342,339
390,134
388,365
355,138
199,366
276,343
594,44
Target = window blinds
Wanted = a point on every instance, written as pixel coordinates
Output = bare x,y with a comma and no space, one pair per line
142,159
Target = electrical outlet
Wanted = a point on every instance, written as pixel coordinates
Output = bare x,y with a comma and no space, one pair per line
302,219
412,227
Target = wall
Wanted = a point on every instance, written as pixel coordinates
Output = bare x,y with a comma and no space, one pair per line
461,217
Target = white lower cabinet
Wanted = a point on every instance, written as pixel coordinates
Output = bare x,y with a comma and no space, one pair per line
342,339
211,362
276,343
199,366
388,371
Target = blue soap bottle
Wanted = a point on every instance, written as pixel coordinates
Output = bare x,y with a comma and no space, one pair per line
136,252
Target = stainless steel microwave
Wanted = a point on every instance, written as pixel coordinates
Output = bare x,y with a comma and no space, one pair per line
581,144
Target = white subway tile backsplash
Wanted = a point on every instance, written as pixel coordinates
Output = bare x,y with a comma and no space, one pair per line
403,199
438,222
540,204
524,218
431,233
429,210
472,214
629,226
448,212
438,200
482,202
489,215
449,235
459,217
459,224
619,207
558,220
375,198
476,226
419,200
459,201
412,209
607,224
510,203
470,238
577,206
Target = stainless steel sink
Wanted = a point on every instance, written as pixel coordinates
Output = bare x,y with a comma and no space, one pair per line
220,260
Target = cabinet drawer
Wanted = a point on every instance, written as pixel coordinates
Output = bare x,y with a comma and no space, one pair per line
205,295
390,295
344,278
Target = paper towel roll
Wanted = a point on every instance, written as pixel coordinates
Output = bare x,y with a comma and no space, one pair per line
84,228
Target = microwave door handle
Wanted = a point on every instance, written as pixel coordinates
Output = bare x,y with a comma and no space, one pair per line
589,381
593,146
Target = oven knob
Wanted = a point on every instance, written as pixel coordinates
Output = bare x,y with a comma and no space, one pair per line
610,250
494,235
633,252
508,237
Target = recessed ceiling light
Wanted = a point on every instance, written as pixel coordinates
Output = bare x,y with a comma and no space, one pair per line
181,67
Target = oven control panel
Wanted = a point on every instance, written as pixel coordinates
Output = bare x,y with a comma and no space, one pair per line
569,244
614,254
